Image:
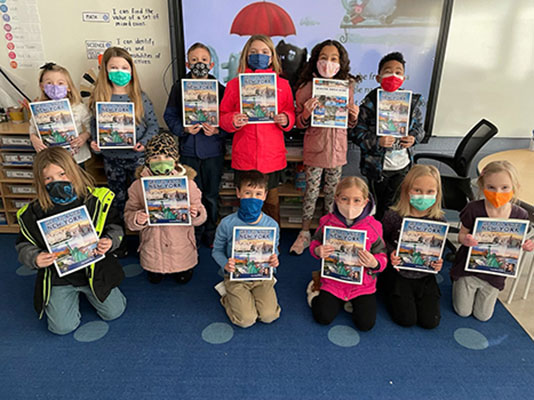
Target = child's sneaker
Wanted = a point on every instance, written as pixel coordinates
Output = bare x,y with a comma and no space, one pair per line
311,292
348,307
220,288
302,242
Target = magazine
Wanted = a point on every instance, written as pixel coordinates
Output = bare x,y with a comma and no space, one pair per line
333,97
393,113
251,249
115,125
421,242
54,122
166,200
71,236
499,246
258,97
200,99
343,264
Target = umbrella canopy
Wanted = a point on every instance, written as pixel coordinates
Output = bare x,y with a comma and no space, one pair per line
263,18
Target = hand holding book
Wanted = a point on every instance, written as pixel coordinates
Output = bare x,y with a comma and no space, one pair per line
230,265
273,261
240,120
367,259
528,245
324,250
103,246
45,259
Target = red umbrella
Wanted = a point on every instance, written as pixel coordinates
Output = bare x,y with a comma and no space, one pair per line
263,18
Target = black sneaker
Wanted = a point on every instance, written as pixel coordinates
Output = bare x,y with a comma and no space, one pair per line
154,277
122,250
184,276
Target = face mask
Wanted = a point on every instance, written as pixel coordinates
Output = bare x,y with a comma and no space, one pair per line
119,77
258,61
422,202
55,92
498,199
161,167
61,192
249,209
349,212
200,69
391,82
327,69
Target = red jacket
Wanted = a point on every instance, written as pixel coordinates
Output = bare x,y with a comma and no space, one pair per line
257,146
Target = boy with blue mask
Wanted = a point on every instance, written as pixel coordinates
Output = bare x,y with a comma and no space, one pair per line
246,301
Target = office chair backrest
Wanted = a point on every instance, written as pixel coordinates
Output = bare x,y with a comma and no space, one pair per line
456,191
477,137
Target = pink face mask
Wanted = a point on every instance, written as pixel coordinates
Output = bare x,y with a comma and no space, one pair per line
349,212
327,69
391,82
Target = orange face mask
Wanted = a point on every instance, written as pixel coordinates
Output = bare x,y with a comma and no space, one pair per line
498,199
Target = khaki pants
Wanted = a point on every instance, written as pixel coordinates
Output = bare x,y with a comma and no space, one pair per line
247,301
472,295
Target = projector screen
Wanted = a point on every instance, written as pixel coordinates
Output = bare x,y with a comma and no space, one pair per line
368,29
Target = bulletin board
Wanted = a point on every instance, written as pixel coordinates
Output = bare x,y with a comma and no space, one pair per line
73,33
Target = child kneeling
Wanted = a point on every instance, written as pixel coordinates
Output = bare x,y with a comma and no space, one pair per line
247,301
165,249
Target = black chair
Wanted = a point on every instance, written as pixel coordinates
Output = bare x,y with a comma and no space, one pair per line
475,139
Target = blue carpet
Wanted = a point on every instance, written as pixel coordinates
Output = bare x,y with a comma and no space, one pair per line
176,342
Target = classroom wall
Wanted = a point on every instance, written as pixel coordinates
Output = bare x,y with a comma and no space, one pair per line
488,70
139,25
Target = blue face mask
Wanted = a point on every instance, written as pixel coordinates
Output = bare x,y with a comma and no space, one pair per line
422,202
61,192
258,61
250,209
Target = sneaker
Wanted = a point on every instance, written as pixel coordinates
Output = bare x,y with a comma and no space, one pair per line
348,307
154,277
302,242
311,292
220,288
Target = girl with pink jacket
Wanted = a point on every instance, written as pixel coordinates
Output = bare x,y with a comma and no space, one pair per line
165,249
352,210
325,149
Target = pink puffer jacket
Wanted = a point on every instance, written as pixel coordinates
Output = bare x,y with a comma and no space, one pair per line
165,249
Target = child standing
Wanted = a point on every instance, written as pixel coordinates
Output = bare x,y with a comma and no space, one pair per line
165,249
412,296
259,146
62,185
118,81
352,209
325,149
202,145
385,161
247,301
474,293
56,84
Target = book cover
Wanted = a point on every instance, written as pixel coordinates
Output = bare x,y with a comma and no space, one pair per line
393,113
251,249
72,237
115,125
343,264
200,99
54,122
258,97
166,200
421,242
333,97
499,246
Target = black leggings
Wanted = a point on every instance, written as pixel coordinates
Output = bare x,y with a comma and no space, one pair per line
326,306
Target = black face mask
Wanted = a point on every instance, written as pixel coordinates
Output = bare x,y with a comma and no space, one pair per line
61,192
200,69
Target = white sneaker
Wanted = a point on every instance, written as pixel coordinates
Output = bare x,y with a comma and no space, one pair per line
302,242
311,294
220,288
348,307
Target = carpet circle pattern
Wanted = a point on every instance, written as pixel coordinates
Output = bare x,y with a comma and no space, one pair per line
343,336
132,270
25,271
471,339
218,333
91,331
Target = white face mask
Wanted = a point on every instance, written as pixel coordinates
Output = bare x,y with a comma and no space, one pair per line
350,212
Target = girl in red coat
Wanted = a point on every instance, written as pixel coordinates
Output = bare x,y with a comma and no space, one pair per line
259,146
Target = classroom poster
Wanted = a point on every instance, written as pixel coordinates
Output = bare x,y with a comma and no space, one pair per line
251,249
115,125
258,97
54,122
393,113
420,243
166,200
72,237
333,97
499,246
343,264
200,99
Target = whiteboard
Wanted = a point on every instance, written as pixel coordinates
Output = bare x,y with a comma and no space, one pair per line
71,31
488,70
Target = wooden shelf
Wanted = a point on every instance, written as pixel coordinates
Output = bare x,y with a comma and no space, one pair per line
9,228
16,180
9,128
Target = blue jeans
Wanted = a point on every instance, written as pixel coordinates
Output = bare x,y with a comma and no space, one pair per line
63,309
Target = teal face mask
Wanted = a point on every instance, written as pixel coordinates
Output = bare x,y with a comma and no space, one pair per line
119,77
422,202
161,167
